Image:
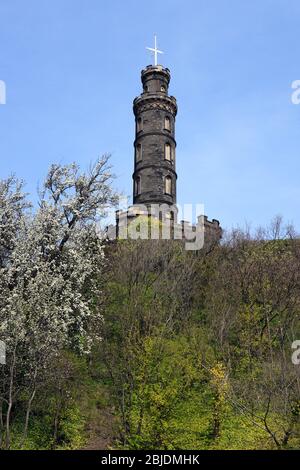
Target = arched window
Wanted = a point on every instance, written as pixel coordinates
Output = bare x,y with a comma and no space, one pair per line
168,152
168,185
163,88
137,186
138,152
139,125
167,123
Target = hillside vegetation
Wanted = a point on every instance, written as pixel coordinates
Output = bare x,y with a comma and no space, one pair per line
140,344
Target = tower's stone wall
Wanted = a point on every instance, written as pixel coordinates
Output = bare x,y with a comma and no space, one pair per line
155,112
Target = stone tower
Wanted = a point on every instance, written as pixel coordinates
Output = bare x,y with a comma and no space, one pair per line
154,177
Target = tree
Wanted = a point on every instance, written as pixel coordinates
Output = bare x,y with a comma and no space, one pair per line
253,308
148,287
51,261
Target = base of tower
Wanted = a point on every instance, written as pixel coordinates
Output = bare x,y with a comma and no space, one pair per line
140,223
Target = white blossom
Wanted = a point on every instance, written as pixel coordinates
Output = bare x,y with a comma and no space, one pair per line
50,269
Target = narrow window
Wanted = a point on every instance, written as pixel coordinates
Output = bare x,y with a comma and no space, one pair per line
139,124
168,152
138,153
167,123
163,88
137,189
168,185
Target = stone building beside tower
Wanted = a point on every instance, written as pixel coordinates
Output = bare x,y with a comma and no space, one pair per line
154,175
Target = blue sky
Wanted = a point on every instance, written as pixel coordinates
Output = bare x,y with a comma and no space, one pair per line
72,69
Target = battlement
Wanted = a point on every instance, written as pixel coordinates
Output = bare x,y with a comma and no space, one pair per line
210,223
184,230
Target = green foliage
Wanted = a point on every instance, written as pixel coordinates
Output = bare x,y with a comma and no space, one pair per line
72,429
40,436
204,365
62,409
164,376
195,352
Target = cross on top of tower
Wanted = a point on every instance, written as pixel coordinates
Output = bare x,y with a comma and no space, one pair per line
155,50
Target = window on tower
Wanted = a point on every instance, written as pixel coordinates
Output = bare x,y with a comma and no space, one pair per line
168,152
168,185
139,125
137,186
167,123
138,152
